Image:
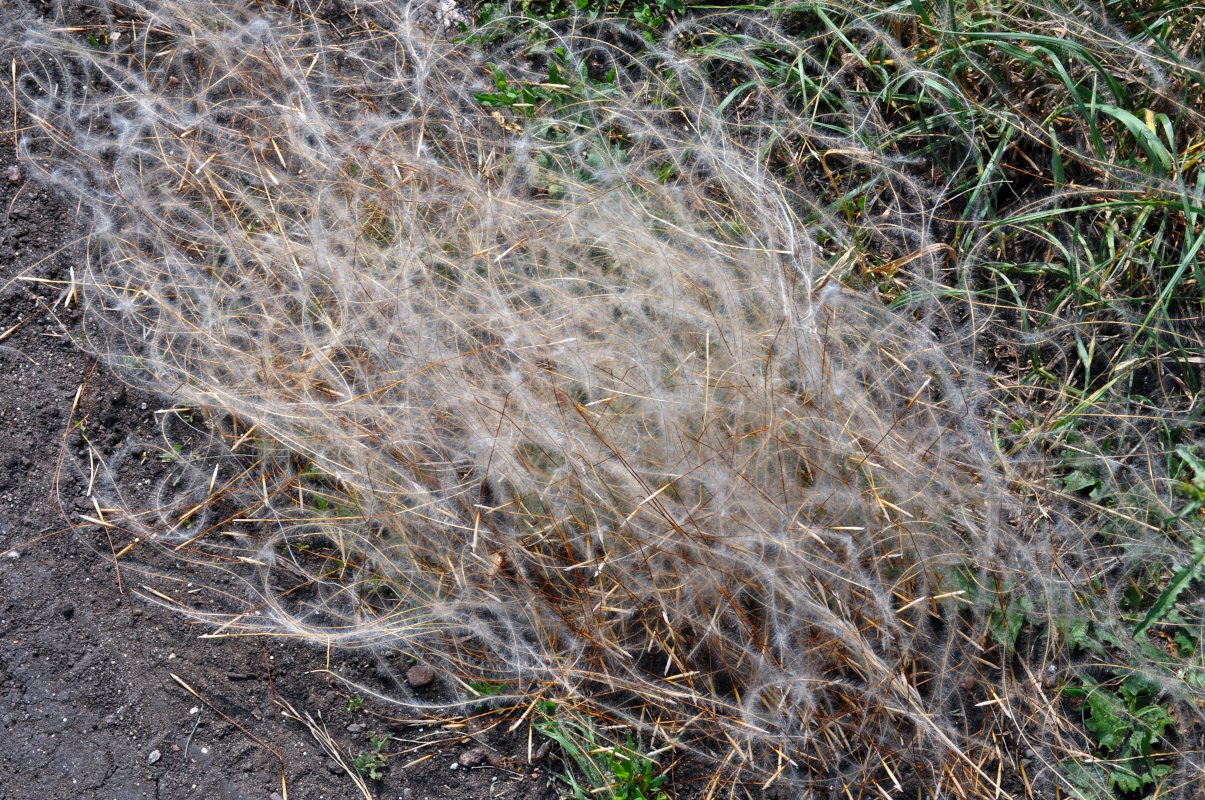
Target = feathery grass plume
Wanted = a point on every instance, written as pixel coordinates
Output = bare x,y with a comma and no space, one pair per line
573,400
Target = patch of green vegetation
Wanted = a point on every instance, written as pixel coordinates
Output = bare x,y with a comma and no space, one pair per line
567,86
372,763
171,456
1008,610
649,13
482,688
1192,489
1125,721
600,768
1163,607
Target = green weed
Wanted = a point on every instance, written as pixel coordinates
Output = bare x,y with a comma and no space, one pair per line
1192,489
372,763
600,768
171,456
1126,723
487,689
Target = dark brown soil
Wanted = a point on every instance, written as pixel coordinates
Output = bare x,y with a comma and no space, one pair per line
93,697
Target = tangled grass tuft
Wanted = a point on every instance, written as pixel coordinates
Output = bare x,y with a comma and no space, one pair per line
576,402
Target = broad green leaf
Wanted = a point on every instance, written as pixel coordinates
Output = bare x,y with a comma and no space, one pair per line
1079,480
1106,721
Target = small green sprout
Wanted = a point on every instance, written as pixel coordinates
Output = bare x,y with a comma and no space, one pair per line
171,456
372,763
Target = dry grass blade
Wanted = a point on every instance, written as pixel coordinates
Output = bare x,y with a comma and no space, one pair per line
329,746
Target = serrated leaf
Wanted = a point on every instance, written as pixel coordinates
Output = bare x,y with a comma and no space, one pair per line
1167,598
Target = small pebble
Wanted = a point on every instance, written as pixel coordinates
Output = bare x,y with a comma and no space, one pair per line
472,758
194,709
455,765
12,554
420,675
355,727
153,756
14,174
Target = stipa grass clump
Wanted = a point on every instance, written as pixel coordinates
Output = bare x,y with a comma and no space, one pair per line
575,403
